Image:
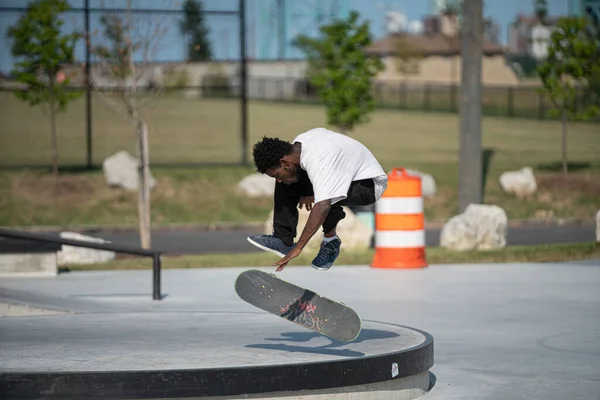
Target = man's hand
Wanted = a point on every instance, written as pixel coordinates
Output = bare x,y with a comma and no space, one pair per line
306,202
295,252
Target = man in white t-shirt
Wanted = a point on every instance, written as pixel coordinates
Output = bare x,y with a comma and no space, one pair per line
323,171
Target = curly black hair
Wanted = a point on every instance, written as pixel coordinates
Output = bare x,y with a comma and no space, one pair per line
269,151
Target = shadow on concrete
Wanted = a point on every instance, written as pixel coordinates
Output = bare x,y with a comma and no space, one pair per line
309,350
328,349
365,334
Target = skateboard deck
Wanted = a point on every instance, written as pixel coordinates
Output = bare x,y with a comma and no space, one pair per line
298,305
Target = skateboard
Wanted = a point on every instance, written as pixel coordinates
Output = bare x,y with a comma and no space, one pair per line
298,305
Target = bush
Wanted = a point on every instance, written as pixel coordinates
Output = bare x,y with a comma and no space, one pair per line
215,83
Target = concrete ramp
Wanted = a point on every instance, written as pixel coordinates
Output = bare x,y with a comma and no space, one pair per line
209,355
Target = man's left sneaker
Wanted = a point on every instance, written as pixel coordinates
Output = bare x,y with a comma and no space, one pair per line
271,243
327,254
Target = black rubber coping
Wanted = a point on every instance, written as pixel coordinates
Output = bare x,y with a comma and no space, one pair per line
231,381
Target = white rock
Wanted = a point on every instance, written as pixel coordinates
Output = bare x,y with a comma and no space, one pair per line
82,255
480,227
598,226
121,169
257,185
428,187
521,182
353,232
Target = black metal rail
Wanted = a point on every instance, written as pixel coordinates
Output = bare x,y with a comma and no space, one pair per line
47,238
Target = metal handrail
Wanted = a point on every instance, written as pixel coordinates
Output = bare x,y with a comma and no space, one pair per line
155,255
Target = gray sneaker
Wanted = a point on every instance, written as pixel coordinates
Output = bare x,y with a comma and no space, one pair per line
271,243
327,255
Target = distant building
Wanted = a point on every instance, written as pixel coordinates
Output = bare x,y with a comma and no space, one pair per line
528,35
540,40
434,56
449,24
491,31
436,59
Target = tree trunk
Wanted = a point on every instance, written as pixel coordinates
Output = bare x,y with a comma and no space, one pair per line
564,144
144,189
54,138
142,139
470,188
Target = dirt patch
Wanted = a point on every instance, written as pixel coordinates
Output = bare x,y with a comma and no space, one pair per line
582,185
67,187
574,196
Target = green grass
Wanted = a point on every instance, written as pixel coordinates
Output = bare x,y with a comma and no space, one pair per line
435,256
187,196
205,131
201,131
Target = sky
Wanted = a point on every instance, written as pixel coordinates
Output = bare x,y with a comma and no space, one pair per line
261,31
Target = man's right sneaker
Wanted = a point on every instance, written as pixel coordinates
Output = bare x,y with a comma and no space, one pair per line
328,252
271,243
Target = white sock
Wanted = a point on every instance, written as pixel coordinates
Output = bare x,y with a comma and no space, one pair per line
327,240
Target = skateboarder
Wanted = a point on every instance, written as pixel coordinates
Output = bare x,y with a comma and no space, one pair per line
321,170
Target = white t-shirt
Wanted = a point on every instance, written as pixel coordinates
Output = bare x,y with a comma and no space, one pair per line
333,160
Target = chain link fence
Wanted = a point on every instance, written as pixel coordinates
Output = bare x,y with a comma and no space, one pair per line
502,101
200,114
99,124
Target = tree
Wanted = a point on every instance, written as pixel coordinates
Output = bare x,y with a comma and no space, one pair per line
452,7
42,51
593,14
195,31
571,74
541,10
125,61
341,71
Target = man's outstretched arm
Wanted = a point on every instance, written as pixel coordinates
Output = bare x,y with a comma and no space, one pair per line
316,218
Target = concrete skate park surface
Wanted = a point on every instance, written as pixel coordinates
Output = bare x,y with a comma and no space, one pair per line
208,354
499,331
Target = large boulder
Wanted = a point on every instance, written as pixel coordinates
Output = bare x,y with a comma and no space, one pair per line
522,182
121,169
353,232
82,255
479,227
598,226
257,185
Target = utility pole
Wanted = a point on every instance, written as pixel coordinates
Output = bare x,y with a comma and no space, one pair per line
281,24
88,88
243,81
470,179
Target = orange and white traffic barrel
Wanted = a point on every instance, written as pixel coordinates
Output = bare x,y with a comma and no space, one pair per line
400,223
